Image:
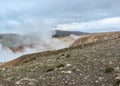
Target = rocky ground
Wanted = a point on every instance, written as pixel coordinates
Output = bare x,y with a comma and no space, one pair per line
96,63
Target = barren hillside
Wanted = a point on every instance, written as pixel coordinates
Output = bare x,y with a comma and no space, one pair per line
92,38
93,60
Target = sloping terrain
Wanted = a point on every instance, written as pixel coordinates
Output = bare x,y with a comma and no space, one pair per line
92,38
95,63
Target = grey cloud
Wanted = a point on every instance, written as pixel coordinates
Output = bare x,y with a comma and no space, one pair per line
56,11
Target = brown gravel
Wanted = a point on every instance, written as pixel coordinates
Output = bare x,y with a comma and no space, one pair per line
91,64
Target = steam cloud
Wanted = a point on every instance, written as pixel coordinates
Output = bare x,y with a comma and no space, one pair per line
35,19
39,44
39,35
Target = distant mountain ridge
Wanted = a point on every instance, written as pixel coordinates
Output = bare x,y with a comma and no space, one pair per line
60,33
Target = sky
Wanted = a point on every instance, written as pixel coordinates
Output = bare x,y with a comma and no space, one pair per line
26,16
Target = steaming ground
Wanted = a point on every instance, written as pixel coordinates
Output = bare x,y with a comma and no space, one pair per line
92,60
37,44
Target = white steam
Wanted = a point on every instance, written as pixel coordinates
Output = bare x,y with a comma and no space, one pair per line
40,35
37,33
40,42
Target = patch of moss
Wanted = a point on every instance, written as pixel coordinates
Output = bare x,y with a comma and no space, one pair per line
68,55
62,54
74,70
60,65
1,72
58,58
109,69
50,69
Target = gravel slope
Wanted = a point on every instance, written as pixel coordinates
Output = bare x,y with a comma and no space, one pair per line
92,64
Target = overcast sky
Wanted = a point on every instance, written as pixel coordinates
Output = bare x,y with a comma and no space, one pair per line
19,16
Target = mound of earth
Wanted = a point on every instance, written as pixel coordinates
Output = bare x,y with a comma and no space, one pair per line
95,63
92,38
